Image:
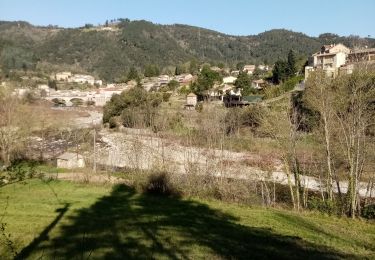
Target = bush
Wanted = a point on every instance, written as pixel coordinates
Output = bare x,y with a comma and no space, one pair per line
21,170
166,96
199,107
176,121
128,118
184,90
369,211
251,116
159,184
272,92
326,206
173,85
112,122
133,106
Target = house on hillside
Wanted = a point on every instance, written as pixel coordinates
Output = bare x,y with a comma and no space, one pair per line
235,73
331,56
216,69
184,78
263,67
79,78
361,55
103,95
249,68
337,58
164,79
63,76
234,101
329,59
191,101
258,84
229,80
70,161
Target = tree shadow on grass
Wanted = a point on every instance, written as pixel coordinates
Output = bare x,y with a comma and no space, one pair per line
127,225
43,236
303,223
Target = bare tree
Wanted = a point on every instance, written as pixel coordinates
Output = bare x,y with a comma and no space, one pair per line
355,112
14,126
280,123
319,97
346,108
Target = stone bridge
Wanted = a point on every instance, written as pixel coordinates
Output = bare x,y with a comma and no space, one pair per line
68,100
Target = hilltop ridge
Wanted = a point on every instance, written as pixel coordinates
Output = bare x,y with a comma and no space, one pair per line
110,53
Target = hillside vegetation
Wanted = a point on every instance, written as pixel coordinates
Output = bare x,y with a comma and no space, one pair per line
110,54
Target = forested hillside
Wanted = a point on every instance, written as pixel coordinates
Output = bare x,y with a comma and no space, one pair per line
109,54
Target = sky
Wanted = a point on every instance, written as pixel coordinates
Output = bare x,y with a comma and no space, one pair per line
235,17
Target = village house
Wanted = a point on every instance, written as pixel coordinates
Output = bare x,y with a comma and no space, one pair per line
329,59
216,69
334,59
361,55
79,78
235,73
263,67
249,68
63,76
150,85
229,80
102,96
184,78
191,101
226,88
164,79
70,161
258,84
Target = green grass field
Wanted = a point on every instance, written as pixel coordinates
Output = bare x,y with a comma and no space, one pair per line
64,220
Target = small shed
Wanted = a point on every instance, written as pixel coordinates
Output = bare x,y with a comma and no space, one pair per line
70,161
258,84
191,100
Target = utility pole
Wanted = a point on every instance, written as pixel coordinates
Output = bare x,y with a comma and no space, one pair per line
94,164
94,150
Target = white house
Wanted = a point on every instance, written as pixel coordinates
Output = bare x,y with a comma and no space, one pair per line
79,78
191,100
164,79
330,58
235,72
98,82
263,67
103,95
63,76
249,68
229,80
258,84
184,78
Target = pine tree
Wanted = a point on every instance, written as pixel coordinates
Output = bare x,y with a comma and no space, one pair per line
291,70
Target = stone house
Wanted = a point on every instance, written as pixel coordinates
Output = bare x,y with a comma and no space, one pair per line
191,101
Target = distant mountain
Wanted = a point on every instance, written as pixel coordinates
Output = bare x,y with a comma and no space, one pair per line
109,53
